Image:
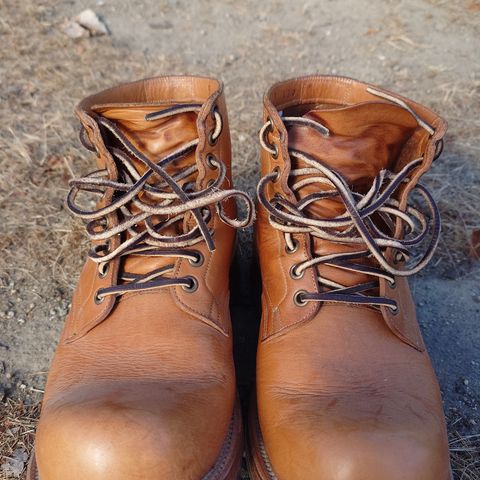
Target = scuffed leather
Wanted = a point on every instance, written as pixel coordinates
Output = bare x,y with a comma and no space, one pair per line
344,392
342,398
144,386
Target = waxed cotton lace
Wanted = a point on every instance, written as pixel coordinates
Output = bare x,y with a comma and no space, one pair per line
148,210
355,226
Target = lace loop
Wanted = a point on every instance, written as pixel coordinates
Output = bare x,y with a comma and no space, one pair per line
355,226
149,210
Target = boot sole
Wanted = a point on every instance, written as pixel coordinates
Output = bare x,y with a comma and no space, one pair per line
258,463
227,466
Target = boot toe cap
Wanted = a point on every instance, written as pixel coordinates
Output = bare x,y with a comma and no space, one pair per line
127,438
360,454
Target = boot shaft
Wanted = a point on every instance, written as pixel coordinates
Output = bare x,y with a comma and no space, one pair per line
164,177
340,160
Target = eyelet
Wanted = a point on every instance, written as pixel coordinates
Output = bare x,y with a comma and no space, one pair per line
199,260
210,159
98,300
397,258
214,111
206,213
276,172
103,269
392,285
297,299
438,148
294,274
212,141
293,250
193,285
275,147
394,310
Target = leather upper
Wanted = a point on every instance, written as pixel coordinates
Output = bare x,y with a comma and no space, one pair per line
344,391
137,379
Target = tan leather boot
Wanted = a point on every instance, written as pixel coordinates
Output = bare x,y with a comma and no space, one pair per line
143,384
345,388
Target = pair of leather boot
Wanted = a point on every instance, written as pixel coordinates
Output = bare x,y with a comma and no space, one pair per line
142,385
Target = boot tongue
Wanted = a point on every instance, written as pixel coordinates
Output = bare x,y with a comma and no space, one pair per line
155,139
364,139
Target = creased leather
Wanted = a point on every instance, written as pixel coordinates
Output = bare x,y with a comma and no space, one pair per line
344,392
143,386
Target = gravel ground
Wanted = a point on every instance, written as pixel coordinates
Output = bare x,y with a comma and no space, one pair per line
425,49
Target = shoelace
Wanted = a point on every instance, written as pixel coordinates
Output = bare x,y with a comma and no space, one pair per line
143,223
355,226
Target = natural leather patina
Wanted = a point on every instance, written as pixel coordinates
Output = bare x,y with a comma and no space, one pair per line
142,384
345,389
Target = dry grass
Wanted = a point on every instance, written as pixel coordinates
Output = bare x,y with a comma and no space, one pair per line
18,420
465,456
39,150
17,430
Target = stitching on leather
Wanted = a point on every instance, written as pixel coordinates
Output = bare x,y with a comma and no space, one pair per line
79,332
205,275
285,329
197,313
192,309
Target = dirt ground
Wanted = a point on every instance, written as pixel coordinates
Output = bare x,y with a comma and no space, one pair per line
425,49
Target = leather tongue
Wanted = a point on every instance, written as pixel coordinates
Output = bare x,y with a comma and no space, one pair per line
155,139
364,139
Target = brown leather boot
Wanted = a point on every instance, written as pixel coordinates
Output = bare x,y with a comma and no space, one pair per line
345,388
143,384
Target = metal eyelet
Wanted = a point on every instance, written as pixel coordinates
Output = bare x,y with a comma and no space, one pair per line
193,285
275,147
103,269
214,111
97,299
198,261
272,146
293,250
294,274
297,300
438,149
394,310
206,213
212,141
210,159
397,258
276,172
